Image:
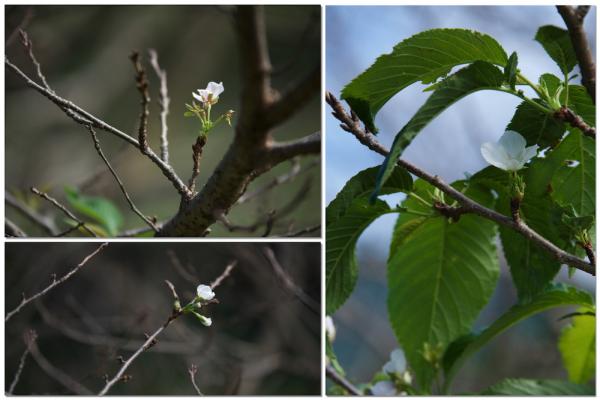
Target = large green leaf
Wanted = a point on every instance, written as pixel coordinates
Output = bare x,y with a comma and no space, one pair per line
536,127
342,235
361,185
477,76
424,57
530,387
581,103
440,276
577,345
558,45
464,347
98,209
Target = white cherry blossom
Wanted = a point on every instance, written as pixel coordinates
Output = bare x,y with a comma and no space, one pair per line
510,153
205,292
210,95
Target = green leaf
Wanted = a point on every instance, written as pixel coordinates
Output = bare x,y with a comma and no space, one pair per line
440,276
536,126
510,70
475,77
341,238
555,296
558,45
577,345
361,185
98,209
530,387
332,358
581,103
424,57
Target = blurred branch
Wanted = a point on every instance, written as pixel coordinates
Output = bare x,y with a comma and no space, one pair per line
303,231
288,283
28,337
62,208
119,182
142,86
139,231
27,17
217,282
151,339
55,282
252,152
351,124
30,214
179,267
192,371
343,382
312,26
53,371
164,105
574,18
12,229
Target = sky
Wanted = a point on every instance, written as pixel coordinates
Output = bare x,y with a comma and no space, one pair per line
450,145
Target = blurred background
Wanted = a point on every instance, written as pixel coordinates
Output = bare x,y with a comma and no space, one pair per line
84,52
264,340
365,338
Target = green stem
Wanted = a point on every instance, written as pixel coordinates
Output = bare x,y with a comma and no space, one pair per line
531,84
540,107
566,90
420,213
420,199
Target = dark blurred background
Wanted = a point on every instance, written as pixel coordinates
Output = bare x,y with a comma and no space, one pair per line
364,336
84,54
263,341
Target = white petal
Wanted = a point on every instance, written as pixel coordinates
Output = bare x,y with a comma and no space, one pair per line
397,359
205,292
389,367
514,165
198,97
513,143
330,328
494,154
215,88
383,388
204,94
530,152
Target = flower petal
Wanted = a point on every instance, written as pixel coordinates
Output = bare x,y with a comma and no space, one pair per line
383,388
494,154
513,143
530,152
215,88
205,292
198,97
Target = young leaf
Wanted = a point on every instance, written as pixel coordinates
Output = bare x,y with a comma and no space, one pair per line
510,70
577,345
555,296
440,276
530,387
477,76
361,185
558,45
98,209
341,238
423,57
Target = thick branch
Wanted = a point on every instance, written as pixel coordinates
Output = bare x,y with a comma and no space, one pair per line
352,125
574,20
281,151
55,282
567,115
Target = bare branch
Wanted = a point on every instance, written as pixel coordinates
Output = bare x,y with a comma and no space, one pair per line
196,157
310,144
26,42
574,20
288,283
179,267
119,182
567,115
12,229
81,116
353,126
64,209
21,27
30,214
217,282
142,86
55,282
303,231
343,382
192,371
28,337
51,370
164,102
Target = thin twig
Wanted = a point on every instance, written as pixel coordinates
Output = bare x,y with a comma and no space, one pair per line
196,157
192,371
119,182
62,208
574,21
81,116
15,380
352,125
179,267
26,42
12,229
55,282
30,214
288,282
56,373
151,339
343,382
303,231
71,229
142,86
21,27
217,282
164,105
139,231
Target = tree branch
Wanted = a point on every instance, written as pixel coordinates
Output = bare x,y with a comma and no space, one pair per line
281,151
567,115
55,282
343,382
12,229
164,105
574,21
142,86
352,125
28,338
192,370
30,214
